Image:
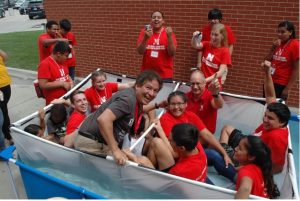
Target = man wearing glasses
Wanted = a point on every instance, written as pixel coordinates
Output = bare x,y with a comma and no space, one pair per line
204,102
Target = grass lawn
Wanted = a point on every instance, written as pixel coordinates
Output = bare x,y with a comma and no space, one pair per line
21,48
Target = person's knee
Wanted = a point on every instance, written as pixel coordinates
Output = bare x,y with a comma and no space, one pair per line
156,143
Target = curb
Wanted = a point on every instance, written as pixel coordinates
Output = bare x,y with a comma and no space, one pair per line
21,73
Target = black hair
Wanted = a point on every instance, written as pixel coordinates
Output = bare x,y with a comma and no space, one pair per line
58,114
50,23
162,14
74,93
65,24
61,47
177,93
97,73
262,153
289,26
282,112
33,129
141,126
185,134
215,14
148,75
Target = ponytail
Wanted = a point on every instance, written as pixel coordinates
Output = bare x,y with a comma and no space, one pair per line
262,154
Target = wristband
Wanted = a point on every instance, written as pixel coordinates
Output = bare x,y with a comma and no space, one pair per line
156,106
216,95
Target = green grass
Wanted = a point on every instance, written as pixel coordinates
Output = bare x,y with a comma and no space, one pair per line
21,48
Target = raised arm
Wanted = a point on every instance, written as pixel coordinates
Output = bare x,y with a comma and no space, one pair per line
122,86
195,42
293,79
217,101
171,45
268,83
142,46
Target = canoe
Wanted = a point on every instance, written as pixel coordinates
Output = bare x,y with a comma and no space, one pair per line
98,174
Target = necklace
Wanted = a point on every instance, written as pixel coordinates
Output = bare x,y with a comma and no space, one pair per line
102,99
61,70
280,50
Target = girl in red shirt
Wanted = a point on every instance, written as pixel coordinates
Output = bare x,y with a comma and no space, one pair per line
255,174
216,55
284,57
101,91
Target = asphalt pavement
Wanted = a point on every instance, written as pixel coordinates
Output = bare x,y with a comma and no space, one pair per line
23,100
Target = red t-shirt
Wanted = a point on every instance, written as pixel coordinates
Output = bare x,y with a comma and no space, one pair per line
168,121
97,98
212,58
284,57
277,141
254,173
156,55
192,167
74,121
44,52
71,61
203,109
53,71
206,31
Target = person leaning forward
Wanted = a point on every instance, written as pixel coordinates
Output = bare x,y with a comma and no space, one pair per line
103,131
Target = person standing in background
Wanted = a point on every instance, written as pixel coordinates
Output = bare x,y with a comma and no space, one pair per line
5,93
284,57
53,75
214,17
65,30
157,44
46,41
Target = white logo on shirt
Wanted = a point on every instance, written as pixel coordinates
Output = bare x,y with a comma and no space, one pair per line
210,57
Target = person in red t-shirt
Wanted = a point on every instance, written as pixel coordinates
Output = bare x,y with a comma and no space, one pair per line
65,30
53,76
100,91
191,159
158,45
255,176
216,56
46,41
176,113
80,105
284,56
214,17
204,102
272,132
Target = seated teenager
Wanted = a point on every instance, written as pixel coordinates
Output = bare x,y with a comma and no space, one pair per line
191,158
273,132
37,130
255,176
101,91
177,113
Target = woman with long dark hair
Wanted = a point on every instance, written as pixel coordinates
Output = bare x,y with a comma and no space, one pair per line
255,175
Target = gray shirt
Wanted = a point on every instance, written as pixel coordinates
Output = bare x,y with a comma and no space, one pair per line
122,104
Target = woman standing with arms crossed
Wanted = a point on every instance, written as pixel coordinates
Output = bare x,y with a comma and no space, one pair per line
284,57
5,92
216,55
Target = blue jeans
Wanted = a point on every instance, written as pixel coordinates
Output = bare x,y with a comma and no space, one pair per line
2,142
215,159
72,72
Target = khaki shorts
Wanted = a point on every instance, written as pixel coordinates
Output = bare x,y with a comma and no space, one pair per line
88,145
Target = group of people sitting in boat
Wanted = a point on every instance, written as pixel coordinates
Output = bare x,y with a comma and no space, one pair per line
182,141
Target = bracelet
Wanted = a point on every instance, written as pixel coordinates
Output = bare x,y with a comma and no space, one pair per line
216,95
156,106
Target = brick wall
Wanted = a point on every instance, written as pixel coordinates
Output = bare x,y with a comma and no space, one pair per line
107,31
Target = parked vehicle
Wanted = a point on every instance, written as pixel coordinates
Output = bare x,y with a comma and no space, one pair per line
18,4
2,10
23,8
36,8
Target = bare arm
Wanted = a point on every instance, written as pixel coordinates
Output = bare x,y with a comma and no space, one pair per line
105,122
171,46
45,84
220,72
125,85
269,56
230,47
142,46
245,188
209,138
42,119
51,41
3,55
195,42
268,83
216,102
293,79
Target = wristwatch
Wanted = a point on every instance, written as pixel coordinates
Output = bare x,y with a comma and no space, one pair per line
216,95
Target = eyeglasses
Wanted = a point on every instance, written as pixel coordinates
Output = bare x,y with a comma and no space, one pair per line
198,83
177,104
